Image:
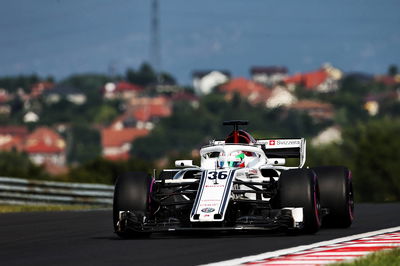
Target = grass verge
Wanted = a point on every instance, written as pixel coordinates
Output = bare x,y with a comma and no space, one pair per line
33,208
386,257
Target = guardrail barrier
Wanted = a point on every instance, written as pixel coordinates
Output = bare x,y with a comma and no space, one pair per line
26,191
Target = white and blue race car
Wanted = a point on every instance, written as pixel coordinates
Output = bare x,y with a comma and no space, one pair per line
241,184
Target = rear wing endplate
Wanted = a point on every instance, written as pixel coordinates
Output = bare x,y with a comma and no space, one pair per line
285,148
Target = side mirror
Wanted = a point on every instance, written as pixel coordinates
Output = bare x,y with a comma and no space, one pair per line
184,163
276,161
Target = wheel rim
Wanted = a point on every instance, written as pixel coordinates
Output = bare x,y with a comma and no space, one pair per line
317,205
351,201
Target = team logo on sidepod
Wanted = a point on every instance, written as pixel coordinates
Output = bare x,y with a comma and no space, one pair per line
208,210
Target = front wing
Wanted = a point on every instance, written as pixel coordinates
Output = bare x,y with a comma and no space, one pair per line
286,218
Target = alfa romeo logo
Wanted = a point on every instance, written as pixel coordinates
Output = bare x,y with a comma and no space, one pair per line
207,210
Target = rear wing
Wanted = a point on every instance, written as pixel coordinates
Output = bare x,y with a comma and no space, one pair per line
285,148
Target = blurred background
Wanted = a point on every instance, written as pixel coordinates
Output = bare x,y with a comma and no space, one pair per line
91,89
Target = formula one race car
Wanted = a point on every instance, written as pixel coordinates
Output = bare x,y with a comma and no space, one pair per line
241,184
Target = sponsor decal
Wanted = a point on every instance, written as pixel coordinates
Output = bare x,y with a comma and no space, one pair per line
214,186
288,142
208,205
283,142
208,210
253,171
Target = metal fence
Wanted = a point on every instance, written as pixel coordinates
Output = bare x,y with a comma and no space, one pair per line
25,191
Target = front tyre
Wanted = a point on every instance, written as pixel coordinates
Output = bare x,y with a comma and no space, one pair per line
299,188
131,194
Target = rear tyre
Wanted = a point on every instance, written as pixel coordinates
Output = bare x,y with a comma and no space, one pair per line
131,194
336,187
299,188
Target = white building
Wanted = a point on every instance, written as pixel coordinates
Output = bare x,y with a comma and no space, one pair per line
329,135
205,82
280,96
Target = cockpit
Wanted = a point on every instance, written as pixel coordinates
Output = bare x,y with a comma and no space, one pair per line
231,156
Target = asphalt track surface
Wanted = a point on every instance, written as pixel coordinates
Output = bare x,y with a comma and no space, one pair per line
87,238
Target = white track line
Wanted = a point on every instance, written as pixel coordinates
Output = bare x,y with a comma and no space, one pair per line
281,252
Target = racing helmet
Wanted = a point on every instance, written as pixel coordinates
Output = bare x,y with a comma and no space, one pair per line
236,159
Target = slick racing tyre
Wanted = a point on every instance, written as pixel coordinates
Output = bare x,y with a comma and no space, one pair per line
337,195
299,188
131,194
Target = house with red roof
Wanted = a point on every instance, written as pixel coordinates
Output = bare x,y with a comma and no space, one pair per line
143,112
46,147
388,80
12,138
311,80
117,143
17,131
318,111
322,80
254,92
136,122
148,112
121,90
5,96
187,97
39,88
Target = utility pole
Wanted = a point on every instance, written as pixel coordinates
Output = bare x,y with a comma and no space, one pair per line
155,53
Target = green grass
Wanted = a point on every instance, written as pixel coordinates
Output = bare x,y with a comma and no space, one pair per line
381,258
33,208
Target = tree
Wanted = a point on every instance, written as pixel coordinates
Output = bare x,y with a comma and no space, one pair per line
15,164
167,78
374,151
145,76
105,114
12,84
393,70
84,144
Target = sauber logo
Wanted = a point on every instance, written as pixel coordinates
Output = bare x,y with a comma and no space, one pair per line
272,142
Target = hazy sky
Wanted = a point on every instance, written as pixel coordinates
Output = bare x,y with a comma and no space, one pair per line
62,37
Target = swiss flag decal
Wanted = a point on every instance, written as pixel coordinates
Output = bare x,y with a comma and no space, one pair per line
272,142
